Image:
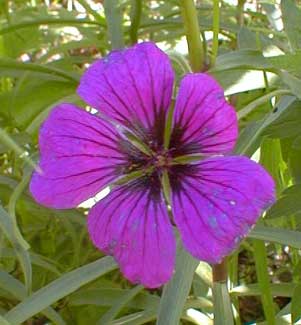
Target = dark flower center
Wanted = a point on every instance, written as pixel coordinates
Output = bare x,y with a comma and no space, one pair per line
151,165
162,160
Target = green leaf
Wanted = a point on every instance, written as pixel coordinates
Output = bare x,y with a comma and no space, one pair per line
38,96
290,62
222,304
294,161
119,304
259,101
11,231
277,289
59,288
48,21
291,16
293,83
277,235
12,65
175,292
288,204
39,117
288,124
247,59
17,289
260,257
36,259
296,304
271,159
250,138
17,192
139,318
3,321
110,296
114,22
11,144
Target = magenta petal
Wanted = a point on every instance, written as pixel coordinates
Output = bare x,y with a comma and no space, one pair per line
132,86
203,120
219,200
136,230
79,154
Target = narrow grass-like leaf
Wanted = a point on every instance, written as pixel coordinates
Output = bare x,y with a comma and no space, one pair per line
176,291
222,304
17,192
33,127
49,21
180,60
291,15
282,236
259,101
10,143
21,252
17,289
110,296
296,304
288,204
10,64
248,142
9,229
260,257
12,285
59,288
3,321
109,316
253,289
114,22
138,318
36,259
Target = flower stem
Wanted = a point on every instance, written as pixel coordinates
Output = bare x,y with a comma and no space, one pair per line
136,11
215,31
192,30
221,298
219,271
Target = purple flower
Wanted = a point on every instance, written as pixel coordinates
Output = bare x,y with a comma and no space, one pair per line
214,201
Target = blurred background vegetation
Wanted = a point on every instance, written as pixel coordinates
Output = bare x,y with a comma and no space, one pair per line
49,271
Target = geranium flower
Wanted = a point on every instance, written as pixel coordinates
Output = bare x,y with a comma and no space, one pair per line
214,200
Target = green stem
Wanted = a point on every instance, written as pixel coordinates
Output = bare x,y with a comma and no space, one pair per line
192,30
215,31
221,298
136,11
219,271
240,12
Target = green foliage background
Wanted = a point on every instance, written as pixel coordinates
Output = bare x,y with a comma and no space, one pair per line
50,273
